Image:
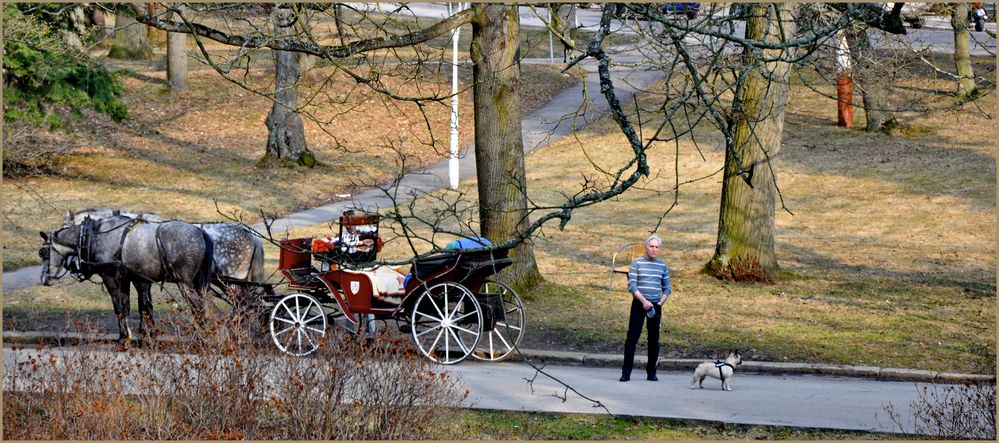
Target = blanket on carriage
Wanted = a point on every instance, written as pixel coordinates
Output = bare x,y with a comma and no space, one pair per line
389,284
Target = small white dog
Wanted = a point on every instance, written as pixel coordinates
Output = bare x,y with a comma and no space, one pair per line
721,370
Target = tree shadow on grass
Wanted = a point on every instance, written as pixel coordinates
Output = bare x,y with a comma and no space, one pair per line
974,284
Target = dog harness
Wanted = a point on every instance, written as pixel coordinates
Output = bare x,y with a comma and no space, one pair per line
721,364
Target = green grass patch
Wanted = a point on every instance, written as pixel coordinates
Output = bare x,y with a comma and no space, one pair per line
504,425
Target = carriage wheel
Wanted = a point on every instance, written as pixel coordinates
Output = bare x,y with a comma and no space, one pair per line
446,323
298,324
498,343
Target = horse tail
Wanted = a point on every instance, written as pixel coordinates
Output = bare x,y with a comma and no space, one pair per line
256,273
207,269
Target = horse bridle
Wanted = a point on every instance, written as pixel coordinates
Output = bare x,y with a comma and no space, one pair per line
80,261
45,253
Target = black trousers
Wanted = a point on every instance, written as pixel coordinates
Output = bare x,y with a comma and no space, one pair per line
635,321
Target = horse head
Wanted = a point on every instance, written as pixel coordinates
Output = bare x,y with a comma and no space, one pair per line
57,247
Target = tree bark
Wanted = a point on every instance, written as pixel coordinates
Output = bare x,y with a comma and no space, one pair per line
155,35
286,133
130,41
177,61
872,85
499,145
962,51
745,246
303,29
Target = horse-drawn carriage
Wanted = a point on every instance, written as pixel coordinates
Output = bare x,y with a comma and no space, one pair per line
448,302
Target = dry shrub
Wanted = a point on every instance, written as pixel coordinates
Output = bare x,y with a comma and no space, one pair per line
953,412
224,382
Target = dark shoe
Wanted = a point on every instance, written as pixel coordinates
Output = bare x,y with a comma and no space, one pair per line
652,377
625,377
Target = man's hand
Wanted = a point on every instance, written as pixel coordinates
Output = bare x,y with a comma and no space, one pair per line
646,304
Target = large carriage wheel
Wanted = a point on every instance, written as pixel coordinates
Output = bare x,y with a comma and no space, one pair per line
446,323
498,343
298,324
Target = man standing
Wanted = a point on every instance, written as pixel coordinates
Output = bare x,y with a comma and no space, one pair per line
648,283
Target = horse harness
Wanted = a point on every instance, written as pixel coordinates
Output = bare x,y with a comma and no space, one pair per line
721,364
85,265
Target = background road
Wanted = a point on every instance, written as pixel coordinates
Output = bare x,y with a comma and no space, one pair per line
780,400
936,36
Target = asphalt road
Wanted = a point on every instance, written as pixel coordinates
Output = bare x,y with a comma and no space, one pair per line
936,36
781,400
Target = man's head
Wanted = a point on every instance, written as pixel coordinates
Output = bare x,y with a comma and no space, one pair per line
652,245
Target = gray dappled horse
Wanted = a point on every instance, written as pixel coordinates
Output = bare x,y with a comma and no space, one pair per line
238,252
122,250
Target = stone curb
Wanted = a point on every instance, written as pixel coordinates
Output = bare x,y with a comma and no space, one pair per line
601,360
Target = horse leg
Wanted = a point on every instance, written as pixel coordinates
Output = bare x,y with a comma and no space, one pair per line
202,311
147,326
119,299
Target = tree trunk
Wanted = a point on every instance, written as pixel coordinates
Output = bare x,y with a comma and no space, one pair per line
338,21
872,85
286,133
499,145
745,247
303,27
962,51
177,60
130,41
99,19
155,35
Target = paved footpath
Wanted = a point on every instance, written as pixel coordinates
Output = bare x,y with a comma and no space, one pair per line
779,400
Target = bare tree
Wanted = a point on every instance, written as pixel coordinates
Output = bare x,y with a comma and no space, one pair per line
499,146
130,40
177,60
745,246
285,130
962,51
870,80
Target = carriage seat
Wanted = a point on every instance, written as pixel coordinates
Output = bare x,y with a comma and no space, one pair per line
388,283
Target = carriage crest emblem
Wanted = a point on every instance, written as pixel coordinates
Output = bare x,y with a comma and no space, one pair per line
355,287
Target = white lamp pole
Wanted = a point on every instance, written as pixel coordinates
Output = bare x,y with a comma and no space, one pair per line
551,47
453,161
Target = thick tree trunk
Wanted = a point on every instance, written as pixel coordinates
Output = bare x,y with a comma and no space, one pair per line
745,246
99,19
303,28
872,85
155,35
177,60
499,145
130,41
338,21
962,51
286,133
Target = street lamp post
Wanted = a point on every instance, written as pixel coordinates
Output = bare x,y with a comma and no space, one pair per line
453,160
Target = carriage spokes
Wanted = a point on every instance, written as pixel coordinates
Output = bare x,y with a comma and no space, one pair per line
506,312
458,331
307,321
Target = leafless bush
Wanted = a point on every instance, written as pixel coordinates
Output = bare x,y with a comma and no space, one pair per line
224,383
29,151
965,411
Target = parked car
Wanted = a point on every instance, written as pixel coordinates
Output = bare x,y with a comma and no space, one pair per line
689,9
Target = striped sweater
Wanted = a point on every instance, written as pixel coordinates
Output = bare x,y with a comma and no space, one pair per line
650,277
